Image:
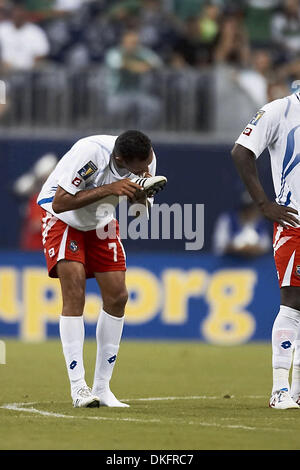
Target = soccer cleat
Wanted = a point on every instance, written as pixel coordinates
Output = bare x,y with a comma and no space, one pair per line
83,398
296,399
107,398
152,185
282,400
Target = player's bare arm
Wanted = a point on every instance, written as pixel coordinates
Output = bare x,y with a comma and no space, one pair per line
64,201
244,160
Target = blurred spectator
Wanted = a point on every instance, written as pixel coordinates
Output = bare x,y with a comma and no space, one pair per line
243,233
158,30
209,23
126,13
254,80
129,65
38,9
4,10
286,28
230,38
23,44
290,73
101,31
185,9
28,187
277,89
258,19
199,37
42,10
68,5
232,45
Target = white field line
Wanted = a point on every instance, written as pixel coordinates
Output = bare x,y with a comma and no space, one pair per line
28,408
192,397
195,397
50,414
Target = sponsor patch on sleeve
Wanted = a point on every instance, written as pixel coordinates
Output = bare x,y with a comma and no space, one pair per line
257,117
247,131
88,170
76,181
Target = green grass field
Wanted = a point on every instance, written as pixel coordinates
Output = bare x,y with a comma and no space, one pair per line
186,396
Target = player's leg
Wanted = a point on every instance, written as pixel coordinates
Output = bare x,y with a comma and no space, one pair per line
109,333
295,386
64,249
71,326
106,260
290,296
287,321
284,334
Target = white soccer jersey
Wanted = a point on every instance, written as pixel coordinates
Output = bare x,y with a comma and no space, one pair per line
277,127
86,165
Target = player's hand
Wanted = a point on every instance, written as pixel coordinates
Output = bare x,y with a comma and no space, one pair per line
125,187
141,196
280,214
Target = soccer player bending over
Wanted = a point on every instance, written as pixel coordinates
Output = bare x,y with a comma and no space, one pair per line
78,200
277,127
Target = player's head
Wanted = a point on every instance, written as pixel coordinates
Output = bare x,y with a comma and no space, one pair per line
133,150
19,13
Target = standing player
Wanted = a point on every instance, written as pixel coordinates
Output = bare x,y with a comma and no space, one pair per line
277,127
78,200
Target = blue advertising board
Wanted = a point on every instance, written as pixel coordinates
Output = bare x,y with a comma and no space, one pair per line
197,174
192,296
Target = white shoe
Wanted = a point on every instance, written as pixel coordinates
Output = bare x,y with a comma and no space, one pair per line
83,398
296,399
107,398
282,400
151,185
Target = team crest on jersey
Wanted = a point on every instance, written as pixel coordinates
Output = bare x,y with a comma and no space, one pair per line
73,246
257,117
298,270
88,170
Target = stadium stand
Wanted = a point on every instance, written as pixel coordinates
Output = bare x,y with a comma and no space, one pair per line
203,58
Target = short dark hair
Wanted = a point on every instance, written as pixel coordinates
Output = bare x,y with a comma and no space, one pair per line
133,145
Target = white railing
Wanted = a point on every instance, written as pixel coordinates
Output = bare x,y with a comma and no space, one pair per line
167,100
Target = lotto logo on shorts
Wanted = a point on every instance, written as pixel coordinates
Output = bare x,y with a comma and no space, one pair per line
73,246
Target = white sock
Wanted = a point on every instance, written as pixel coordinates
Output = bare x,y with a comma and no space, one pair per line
72,337
280,379
295,388
108,334
284,333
